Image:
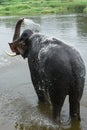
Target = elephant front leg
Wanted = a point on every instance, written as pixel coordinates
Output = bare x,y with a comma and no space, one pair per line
40,94
36,80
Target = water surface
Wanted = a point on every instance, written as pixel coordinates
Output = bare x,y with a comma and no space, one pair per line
19,108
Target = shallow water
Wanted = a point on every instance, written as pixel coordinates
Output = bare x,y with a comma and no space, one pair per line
19,108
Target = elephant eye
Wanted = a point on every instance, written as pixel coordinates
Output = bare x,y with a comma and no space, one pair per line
24,36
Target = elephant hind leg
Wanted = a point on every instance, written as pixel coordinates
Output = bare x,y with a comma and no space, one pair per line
74,102
57,103
75,97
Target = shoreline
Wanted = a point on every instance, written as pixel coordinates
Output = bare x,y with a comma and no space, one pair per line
42,8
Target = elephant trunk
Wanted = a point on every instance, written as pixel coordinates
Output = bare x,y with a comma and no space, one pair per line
13,44
17,29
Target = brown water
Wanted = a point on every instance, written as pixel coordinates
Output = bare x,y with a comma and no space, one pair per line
19,108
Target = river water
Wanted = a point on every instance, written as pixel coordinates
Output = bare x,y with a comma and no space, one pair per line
19,108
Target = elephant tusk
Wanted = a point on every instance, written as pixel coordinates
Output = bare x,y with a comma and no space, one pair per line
10,54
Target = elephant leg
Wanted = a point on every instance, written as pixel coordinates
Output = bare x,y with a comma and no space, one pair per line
40,94
37,86
57,108
57,101
74,105
75,97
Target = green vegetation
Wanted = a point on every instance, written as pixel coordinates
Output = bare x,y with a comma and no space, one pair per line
32,7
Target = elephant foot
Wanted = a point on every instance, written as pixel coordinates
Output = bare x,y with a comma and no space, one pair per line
75,116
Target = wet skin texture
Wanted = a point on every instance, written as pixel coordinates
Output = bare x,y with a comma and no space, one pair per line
56,70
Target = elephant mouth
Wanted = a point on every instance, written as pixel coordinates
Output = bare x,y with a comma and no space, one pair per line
13,48
17,47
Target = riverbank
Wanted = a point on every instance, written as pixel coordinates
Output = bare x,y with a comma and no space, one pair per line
42,7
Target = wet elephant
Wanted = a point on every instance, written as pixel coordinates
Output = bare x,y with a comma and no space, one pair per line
57,69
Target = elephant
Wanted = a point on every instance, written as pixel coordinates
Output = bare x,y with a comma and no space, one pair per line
56,69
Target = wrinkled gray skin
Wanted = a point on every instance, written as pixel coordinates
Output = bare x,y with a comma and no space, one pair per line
57,70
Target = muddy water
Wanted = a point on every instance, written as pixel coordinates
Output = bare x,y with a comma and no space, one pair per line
19,108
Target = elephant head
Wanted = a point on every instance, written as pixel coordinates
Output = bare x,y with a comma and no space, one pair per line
18,45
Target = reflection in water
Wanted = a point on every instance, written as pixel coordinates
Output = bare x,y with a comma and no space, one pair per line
72,126
41,121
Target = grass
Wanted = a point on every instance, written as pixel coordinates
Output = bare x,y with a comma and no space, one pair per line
27,7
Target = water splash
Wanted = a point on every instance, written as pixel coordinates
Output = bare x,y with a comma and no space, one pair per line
32,25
